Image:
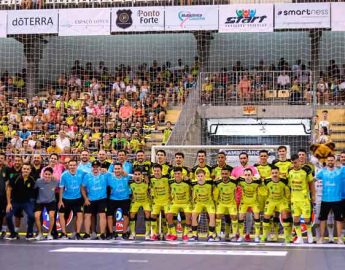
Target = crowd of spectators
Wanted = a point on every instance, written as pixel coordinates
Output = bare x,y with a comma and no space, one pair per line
91,108
251,84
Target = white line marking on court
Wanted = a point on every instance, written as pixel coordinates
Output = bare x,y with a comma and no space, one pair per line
171,251
138,261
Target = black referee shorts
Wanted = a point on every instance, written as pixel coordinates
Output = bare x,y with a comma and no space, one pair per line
326,207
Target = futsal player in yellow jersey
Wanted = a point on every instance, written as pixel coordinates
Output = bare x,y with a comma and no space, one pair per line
179,162
161,158
180,203
282,162
160,193
224,197
221,164
277,202
249,197
201,156
301,183
140,199
202,199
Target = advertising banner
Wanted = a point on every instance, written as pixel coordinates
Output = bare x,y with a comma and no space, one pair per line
84,22
246,18
3,23
338,18
182,18
137,19
32,21
302,16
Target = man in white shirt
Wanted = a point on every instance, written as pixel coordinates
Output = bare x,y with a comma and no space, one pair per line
62,141
283,81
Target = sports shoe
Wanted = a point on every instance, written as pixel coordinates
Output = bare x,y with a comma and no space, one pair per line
171,237
78,236
331,239
29,236
125,235
310,238
72,237
257,239
119,237
210,238
3,235
132,236
86,236
217,239
63,236
299,240
93,236
263,239
50,237
269,237
340,241
13,236
193,238
234,237
147,236
320,241
39,237
109,236
247,238
103,236
154,237
185,237
274,238
240,239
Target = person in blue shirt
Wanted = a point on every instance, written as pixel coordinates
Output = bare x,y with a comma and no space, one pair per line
85,164
70,198
126,165
332,184
119,199
94,191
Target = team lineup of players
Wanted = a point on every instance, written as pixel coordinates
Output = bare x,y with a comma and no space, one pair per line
277,193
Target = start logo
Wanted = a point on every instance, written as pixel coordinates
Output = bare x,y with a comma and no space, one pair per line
246,16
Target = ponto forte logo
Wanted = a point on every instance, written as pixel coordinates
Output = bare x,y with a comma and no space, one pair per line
245,16
185,16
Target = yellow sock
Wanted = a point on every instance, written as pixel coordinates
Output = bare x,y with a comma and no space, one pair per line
165,227
147,226
298,230
265,229
287,230
309,228
154,225
241,228
227,228
132,226
234,225
218,226
257,228
172,229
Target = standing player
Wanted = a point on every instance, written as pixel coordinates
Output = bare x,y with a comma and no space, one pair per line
85,164
224,197
179,162
332,179
201,156
301,184
119,199
249,201
142,164
221,164
161,158
140,199
160,192
277,202
94,191
122,158
202,200
180,203
283,163
70,198
46,199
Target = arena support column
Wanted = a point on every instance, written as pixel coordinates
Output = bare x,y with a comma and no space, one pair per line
315,38
203,39
33,46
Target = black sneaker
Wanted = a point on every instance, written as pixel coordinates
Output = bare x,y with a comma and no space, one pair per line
29,236
13,236
109,236
86,236
115,235
63,236
102,236
125,236
3,235
78,236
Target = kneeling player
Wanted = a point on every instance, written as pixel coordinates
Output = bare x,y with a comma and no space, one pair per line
181,203
249,201
202,198
140,199
45,199
277,201
224,196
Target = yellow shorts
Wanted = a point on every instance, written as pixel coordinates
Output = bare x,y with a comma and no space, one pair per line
209,207
275,206
177,208
135,206
226,209
301,208
244,207
157,207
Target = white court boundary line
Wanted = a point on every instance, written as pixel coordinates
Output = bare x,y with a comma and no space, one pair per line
171,251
